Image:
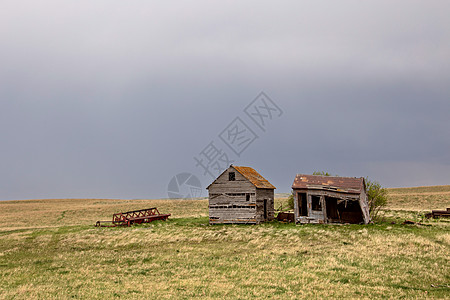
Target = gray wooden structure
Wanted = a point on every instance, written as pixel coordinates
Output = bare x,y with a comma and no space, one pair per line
240,195
330,199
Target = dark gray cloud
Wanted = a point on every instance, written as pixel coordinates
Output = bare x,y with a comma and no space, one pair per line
112,99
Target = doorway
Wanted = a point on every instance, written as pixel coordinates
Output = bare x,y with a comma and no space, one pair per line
265,209
302,204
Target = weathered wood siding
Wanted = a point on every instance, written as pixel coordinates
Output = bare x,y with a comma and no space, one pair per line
268,195
223,185
364,203
232,209
228,200
314,216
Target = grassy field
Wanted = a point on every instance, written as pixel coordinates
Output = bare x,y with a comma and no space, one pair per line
50,249
420,198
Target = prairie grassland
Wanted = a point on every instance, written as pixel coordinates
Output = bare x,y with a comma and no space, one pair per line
69,212
420,198
50,249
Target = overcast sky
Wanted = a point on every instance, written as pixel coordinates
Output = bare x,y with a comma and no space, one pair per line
111,99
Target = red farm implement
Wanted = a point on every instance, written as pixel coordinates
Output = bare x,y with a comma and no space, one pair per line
133,217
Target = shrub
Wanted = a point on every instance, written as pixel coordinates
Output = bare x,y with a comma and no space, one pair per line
290,201
376,196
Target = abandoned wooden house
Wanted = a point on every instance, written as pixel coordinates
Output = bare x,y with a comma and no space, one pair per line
330,199
240,195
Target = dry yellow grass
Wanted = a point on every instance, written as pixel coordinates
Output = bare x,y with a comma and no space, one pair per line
60,212
50,249
419,198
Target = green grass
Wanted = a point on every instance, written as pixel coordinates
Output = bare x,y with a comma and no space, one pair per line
64,256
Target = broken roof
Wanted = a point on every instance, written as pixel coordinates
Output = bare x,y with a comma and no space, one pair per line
341,184
254,177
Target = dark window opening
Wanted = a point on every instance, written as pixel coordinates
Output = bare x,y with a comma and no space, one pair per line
231,176
315,203
232,206
247,197
236,194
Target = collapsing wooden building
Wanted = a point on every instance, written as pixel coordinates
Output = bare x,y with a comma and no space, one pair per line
330,199
240,195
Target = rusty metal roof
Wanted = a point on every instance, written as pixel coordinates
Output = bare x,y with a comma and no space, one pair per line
340,184
254,177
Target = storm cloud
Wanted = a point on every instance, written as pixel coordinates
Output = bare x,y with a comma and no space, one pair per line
112,99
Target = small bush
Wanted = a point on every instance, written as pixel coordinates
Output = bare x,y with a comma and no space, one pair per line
290,201
376,196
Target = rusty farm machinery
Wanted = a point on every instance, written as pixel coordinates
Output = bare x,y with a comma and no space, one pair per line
439,214
133,217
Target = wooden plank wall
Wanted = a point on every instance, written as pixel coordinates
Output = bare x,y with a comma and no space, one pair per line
262,194
228,200
363,202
